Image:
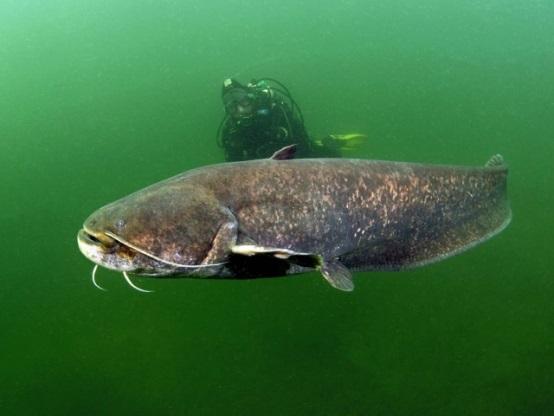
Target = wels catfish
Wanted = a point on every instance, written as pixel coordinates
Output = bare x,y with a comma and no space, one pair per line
280,216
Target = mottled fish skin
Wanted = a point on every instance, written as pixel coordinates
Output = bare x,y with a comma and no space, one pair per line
372,215
365,215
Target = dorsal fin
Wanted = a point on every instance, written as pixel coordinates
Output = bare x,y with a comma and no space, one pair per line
287,152
495,160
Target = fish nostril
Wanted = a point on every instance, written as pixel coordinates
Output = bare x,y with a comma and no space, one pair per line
120,224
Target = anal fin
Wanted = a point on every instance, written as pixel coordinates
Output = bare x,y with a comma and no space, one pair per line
337,275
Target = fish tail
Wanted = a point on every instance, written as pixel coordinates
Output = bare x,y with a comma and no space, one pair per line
495,161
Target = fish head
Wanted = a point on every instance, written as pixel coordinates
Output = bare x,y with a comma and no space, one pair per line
161,230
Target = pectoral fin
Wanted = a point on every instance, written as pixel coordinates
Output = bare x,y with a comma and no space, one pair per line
224,239
252,250
333,271
337,275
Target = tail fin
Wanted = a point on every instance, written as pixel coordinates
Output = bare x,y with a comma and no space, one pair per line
494,161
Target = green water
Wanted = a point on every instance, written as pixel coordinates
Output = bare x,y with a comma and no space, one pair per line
100,98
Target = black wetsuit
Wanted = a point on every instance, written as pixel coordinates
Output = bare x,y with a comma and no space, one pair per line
269,130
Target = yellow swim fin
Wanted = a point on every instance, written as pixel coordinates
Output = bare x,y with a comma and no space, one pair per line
348,141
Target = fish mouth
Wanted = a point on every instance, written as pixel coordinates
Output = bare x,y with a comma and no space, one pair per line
104,250
106,243
107,250
91,243
99,240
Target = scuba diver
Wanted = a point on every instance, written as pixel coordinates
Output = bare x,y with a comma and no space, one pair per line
262,117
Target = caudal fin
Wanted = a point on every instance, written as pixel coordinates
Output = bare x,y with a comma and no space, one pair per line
495,160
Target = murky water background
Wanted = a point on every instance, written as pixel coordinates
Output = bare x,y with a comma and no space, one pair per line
100,98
